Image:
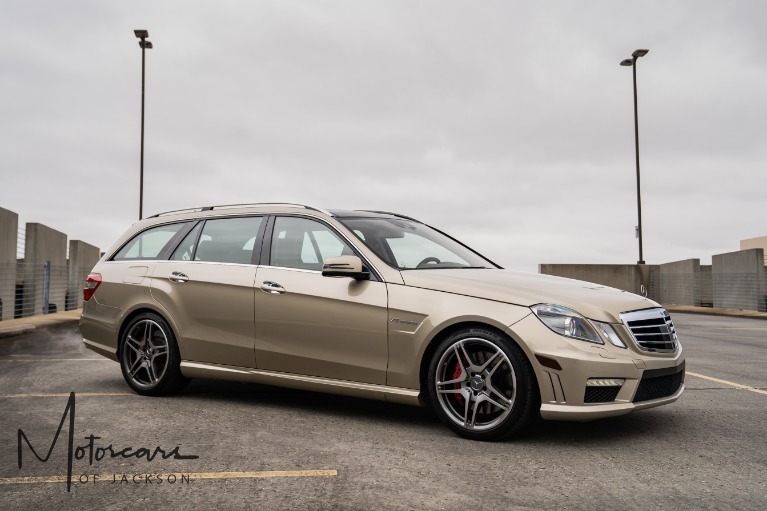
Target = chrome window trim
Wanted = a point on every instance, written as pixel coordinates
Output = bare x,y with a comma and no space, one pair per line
288,268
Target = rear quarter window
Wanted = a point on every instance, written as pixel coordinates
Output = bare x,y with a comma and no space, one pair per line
148,244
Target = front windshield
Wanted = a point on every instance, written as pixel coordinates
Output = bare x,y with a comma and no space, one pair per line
410,245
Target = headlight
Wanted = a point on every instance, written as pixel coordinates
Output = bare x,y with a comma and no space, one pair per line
566,322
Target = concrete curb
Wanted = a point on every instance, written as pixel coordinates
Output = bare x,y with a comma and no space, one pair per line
13,331
711,311
14,327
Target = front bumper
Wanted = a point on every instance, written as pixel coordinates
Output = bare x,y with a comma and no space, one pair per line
587,412
649,379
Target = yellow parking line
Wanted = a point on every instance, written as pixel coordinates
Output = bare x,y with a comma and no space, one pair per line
730,383
264,473
90,394
54,359
33,480
192,475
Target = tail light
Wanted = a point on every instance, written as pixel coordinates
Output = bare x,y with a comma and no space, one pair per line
92,283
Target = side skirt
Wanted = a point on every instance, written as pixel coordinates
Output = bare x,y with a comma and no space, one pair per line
300,382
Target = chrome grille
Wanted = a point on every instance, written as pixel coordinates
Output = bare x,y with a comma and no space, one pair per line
652,330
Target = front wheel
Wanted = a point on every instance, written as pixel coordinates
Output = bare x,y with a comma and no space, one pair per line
149,356
481,385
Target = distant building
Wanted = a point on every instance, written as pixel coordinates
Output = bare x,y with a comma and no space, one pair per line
760,242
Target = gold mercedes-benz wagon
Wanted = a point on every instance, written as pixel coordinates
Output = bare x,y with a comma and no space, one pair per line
376,305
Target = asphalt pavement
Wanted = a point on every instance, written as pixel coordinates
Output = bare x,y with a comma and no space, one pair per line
241,446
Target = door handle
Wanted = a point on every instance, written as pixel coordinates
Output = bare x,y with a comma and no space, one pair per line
272,288
177,276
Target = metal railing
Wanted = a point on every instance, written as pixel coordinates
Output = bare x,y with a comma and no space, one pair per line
21,240
31,288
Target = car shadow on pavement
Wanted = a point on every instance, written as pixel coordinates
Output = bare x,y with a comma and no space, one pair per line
335,406
645,423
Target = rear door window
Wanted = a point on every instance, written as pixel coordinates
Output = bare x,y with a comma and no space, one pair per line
224,240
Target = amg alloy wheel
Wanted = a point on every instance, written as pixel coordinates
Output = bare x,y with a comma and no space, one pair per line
149,356
481,385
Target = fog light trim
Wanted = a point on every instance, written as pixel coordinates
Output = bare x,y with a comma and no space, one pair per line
605,382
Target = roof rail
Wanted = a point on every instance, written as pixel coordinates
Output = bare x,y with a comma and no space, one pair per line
185,210
392,214
227,206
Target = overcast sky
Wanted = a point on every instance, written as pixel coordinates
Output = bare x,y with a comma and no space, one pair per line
507,124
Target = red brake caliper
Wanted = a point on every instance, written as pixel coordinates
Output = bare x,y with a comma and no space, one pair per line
456,375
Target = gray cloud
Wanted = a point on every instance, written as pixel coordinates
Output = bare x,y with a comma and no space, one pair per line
507,124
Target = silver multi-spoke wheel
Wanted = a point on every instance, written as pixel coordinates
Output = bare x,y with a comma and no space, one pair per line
145,353
481,384
149,356
476,384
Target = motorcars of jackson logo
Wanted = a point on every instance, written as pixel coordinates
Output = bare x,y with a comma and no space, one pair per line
93,451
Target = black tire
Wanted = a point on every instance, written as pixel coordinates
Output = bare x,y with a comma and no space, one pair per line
482,386
149,356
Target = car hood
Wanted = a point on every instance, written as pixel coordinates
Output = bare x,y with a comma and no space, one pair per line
594,301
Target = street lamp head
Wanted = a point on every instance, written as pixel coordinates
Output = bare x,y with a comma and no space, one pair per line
627,62
639,53
141,34
145,44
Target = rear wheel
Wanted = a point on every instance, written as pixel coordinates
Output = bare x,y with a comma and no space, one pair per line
481,385
149,356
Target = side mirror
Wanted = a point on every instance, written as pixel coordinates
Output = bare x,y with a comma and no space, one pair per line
344,266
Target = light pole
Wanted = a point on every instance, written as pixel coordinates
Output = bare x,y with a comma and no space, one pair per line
632,62
144,44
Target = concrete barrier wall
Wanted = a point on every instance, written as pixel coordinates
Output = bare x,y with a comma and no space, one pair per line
9,231
44,244
680,283
738,280
82,258
629,277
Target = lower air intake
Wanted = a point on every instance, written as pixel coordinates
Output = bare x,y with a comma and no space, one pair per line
659,383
